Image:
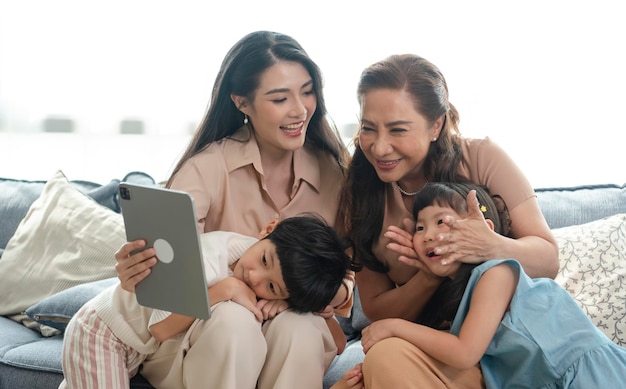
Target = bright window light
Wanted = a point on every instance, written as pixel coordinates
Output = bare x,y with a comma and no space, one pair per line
99,89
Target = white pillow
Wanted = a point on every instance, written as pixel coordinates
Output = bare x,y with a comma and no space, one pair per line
65,239
593,270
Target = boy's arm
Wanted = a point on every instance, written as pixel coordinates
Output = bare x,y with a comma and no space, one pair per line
172,325
229,288
490,300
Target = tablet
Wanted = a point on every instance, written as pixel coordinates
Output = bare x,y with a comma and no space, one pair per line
166,220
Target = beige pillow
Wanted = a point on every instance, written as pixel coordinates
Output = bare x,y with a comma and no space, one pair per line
65,239
593,270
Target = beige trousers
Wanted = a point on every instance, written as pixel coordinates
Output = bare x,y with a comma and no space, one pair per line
396,363
233,350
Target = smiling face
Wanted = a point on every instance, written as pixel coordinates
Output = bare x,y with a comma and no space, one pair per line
260,269
394,137
282,107
428,226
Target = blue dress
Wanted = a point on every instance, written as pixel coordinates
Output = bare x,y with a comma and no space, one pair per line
545,340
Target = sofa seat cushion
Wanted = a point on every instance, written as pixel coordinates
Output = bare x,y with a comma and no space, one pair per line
25,348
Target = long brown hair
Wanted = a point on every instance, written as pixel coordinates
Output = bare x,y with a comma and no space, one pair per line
240,74
363,196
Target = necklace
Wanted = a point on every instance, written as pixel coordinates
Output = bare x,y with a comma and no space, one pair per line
404,192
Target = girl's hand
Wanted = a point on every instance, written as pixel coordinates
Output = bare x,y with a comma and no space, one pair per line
377,331
271,308
230,288
132,269
354,377
467,238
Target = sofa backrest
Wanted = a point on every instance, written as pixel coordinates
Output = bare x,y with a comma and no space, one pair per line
564,207
16,197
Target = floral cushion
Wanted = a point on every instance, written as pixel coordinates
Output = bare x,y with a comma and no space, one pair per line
593,270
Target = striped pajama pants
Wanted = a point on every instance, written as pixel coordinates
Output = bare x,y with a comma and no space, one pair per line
93,357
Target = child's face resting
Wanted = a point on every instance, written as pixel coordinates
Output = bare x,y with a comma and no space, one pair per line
428,226
259,268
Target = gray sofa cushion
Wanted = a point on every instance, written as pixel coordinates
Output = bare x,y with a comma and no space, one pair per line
57,310
27,359
16,197
564,207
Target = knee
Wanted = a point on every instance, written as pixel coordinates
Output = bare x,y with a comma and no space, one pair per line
378,355
235,316
305,328
233,324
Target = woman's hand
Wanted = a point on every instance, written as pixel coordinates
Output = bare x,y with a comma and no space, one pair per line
132,269
402,243
271,308
467,238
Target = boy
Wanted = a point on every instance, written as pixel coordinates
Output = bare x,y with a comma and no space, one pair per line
299,260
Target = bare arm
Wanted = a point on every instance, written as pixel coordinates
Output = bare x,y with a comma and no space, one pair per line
490,300
172,325
382,299
229,288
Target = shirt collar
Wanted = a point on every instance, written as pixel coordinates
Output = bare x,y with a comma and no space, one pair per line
242,149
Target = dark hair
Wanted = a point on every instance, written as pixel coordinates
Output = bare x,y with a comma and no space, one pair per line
441,308
240,74
363,197
313,261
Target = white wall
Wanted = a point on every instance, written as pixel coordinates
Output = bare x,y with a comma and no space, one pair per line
544,79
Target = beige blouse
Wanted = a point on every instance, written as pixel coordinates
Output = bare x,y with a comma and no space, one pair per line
227,184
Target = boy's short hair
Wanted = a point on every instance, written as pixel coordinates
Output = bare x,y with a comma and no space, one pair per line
313,261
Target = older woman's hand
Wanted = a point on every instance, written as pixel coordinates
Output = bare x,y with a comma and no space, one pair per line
133,268
469,239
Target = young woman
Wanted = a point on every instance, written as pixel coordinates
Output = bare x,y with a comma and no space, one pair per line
409,136
525,332
265,150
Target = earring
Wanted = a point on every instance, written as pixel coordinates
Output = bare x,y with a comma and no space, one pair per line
245,119
434,139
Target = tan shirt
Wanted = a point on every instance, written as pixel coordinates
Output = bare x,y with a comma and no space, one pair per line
484,163
227,184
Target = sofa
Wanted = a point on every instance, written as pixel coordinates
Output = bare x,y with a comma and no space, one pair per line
58,236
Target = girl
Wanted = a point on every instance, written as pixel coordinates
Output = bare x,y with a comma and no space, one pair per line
525,332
